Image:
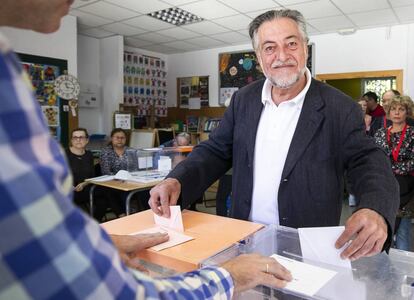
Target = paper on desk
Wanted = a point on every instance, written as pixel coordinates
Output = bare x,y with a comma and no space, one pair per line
102,178
175,238
164,163
318,244
307,279
172,225
174,222
145,162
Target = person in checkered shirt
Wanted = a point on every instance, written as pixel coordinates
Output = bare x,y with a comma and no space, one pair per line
49,249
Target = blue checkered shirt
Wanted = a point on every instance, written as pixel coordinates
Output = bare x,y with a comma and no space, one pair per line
48,248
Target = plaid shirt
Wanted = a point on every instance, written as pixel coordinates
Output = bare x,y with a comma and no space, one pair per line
48,248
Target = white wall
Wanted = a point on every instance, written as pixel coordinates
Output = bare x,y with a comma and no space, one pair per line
62,44
366,50
89,73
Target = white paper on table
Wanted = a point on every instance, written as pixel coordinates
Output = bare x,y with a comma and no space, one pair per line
318,244
164,163
174,222
307,279
102,178
175,238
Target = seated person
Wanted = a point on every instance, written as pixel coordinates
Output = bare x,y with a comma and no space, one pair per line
113,159
181,139
82,166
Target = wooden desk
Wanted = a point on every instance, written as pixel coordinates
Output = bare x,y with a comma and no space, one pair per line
126,186
212,234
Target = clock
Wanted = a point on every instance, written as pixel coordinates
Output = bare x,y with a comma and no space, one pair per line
67,87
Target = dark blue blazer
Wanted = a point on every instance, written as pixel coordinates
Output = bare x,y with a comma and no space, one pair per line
329,139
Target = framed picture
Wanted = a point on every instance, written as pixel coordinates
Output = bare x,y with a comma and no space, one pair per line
191,88
237,69
123,120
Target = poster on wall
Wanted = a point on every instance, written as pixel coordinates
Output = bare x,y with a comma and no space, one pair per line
122,120
192,87
145,84
237,69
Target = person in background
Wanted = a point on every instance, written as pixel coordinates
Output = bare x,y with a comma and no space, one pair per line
398,142
114,156
290,139
374,108
383,121
366,116
181,139
49,249
81,163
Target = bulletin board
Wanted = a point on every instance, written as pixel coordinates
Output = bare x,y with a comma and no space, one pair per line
192,88
237,69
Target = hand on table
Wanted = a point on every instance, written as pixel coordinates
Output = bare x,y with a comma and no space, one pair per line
250,270
80,186
367,231
163,195
129,245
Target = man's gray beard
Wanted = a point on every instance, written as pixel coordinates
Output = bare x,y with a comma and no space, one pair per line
287,83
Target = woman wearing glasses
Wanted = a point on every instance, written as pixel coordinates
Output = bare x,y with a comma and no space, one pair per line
82,166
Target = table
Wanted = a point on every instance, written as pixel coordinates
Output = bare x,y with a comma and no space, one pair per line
127,186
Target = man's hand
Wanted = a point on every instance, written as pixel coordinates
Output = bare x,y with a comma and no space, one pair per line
163,195
250,270
367,232
129,245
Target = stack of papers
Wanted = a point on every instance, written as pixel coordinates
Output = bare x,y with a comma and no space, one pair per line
173,226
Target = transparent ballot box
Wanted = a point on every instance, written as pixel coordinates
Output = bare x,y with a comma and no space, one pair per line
379,277
156,159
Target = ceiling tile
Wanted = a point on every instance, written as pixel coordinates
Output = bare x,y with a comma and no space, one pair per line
383,17
316,9
290,2
97,33
181,45
312,30
205,27
143,7
109,11
179,33
155,37
244,32
89,19
352,6
330,24
209,9
79,3
405,13
237,22
206,42
397,3
231,37
122,29
161,49
148,23
133,42
177,2
246,6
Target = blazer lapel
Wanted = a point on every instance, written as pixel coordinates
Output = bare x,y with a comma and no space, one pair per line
255,108
308,123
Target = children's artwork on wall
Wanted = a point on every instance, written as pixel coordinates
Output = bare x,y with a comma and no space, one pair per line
192,87
51,114
237,69
145,84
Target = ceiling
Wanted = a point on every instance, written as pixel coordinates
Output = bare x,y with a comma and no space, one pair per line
225,21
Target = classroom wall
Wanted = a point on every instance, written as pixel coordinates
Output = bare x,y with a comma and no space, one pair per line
62,44
382,48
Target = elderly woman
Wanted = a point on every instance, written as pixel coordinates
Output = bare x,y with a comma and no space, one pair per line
114,156
398,142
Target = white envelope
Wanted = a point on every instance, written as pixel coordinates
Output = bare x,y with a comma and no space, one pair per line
318,244
175,221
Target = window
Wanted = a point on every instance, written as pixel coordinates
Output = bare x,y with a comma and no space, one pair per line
378,85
